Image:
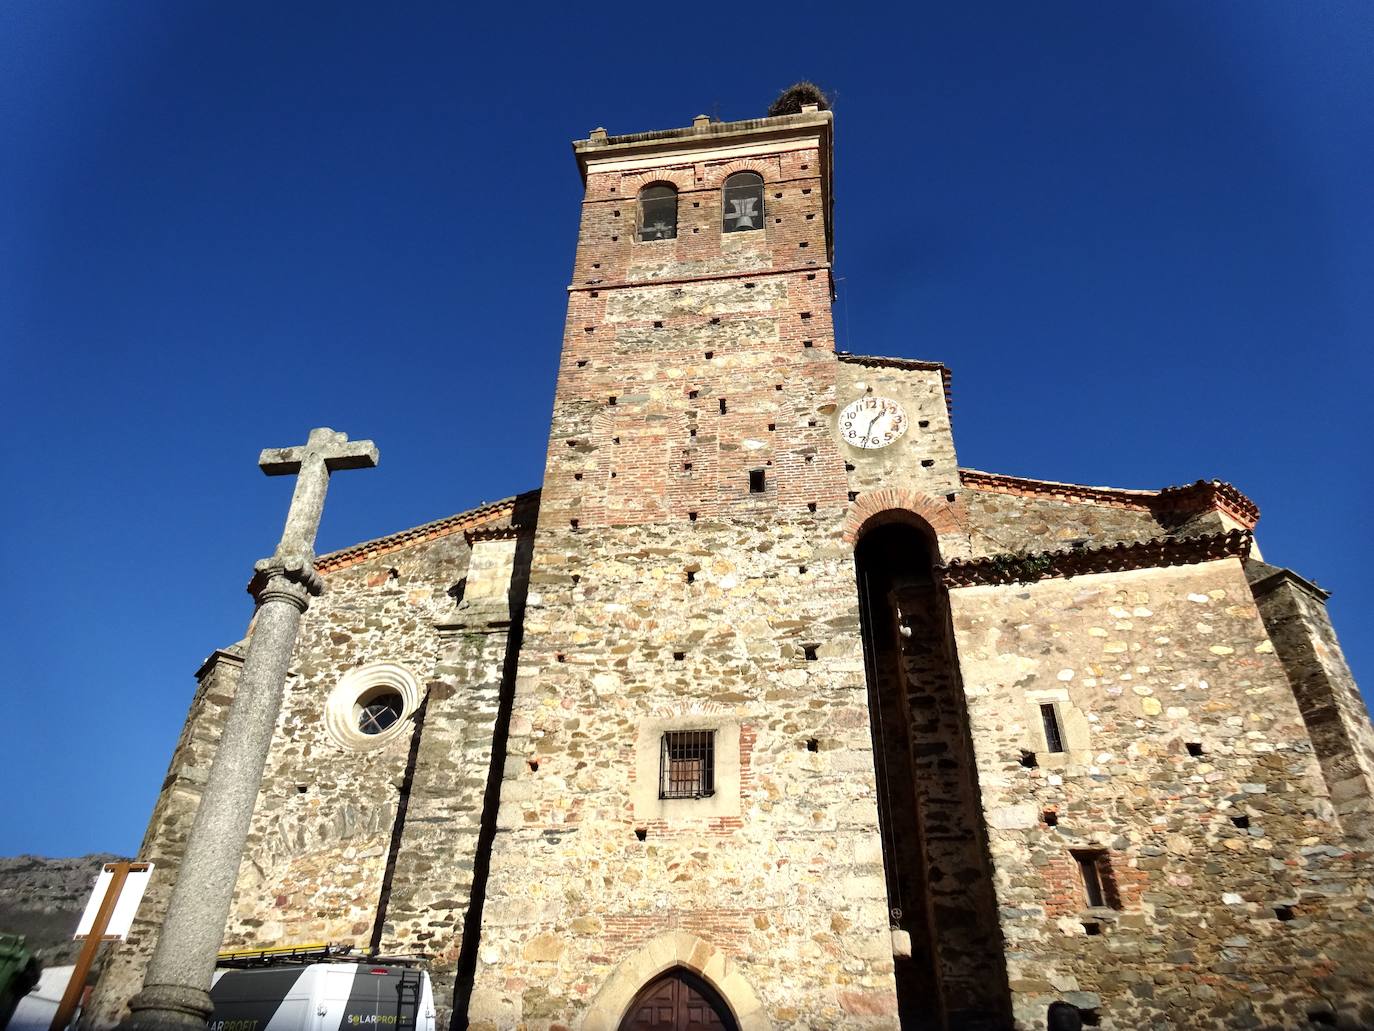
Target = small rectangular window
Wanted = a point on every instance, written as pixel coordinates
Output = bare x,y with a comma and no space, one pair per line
1098,887
687,764
756,481
1054,741
1092,881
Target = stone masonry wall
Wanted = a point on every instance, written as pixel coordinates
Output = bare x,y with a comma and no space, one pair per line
649,427
442,852
164,843
784,870
1008,523
322,828
1330,701
1233,900
923,458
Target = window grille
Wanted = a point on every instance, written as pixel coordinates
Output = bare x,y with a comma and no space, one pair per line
1054,740
658,213
743,202
687,764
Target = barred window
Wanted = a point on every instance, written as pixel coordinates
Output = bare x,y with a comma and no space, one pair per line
743,202
658,212
1054,740
687,764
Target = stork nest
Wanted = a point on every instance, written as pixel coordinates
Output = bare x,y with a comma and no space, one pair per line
790,100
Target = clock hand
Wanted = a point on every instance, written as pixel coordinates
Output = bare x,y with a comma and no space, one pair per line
869,432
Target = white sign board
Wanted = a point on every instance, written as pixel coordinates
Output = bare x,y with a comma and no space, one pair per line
135,884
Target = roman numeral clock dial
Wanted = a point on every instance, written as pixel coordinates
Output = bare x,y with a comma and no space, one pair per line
872,422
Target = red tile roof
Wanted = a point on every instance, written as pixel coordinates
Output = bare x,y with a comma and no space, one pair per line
492,533
1108,558
459,523
1192,498
1210,494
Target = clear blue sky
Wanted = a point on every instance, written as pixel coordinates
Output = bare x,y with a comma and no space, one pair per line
1140,234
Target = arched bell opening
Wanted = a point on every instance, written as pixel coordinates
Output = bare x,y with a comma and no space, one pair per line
678,1000
935,854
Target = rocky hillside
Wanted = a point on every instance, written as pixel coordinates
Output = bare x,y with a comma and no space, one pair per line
42,899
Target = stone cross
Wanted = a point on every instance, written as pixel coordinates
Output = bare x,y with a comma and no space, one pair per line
312,463
175,988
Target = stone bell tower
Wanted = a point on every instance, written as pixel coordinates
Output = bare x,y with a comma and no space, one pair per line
689,781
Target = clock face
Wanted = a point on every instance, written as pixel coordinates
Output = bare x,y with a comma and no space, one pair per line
872,422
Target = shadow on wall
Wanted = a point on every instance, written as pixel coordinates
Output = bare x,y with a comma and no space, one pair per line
937,865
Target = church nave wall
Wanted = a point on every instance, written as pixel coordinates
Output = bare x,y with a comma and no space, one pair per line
1185,780
322,828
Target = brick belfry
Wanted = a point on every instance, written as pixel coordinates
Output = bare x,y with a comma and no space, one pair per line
764,713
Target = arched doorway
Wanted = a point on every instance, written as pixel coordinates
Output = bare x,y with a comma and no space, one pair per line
678,1000
934,841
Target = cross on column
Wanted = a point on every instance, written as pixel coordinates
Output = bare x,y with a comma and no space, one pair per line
312,462
175,992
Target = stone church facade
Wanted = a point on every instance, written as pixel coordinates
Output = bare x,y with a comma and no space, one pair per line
765,701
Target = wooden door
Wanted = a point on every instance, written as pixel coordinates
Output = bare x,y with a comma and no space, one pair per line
678,1001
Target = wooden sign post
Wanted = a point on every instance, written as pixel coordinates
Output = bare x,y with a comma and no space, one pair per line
110,921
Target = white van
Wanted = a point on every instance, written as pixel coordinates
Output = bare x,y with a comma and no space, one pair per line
323,997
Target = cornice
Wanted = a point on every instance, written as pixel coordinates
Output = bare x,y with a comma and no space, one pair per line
1281,575
996,570
1205,494
226,655
703,135
494,533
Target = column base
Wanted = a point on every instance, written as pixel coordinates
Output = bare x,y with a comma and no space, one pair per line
168,1007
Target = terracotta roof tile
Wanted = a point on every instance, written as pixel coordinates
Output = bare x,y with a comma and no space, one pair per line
462,522
1205,494
1108,558
1192,498
492,533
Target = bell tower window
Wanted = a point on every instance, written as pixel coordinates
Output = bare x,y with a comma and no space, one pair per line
742,209
658,212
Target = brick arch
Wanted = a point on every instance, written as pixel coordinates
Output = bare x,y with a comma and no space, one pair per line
603,423
693,707
889,503
681,178
661,954
767,169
